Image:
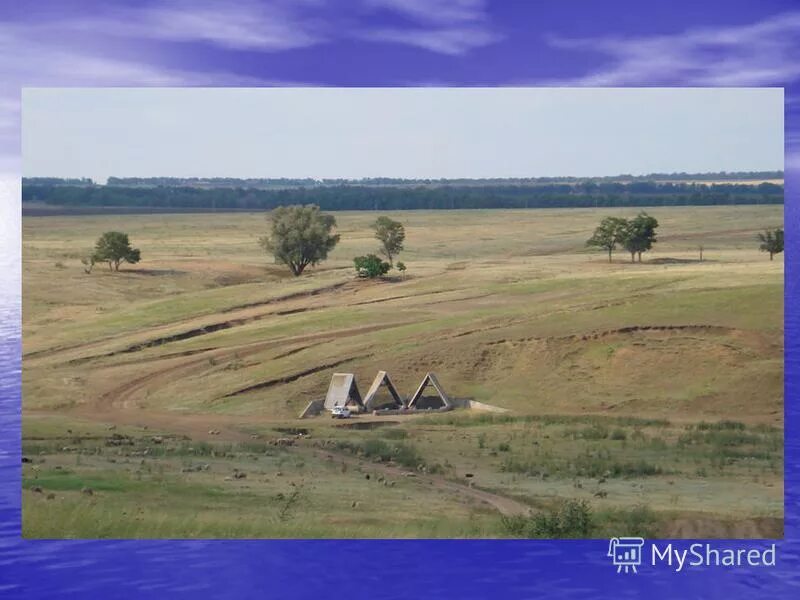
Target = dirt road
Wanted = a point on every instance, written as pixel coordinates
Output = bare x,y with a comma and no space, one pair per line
230,429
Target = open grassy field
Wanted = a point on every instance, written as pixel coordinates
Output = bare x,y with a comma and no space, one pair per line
649,394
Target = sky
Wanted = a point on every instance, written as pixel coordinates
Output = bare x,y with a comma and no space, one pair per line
399,132
51,43
382,43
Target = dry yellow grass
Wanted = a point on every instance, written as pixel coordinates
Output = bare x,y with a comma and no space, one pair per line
507,307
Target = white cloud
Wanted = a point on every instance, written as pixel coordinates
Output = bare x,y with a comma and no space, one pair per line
452,41
436,11
762,53
235,25
452,27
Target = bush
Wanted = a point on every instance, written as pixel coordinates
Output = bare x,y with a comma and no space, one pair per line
596,431
639,521
571,519
406,455
619,434
394,434
370,266
720,425
377,450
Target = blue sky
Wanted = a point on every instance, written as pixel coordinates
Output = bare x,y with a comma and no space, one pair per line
395,43
399,132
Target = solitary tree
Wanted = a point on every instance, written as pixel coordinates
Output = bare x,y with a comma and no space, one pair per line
608,234
639,234
371,266
391,235
771,241
401,266
300,236
88,263
114,248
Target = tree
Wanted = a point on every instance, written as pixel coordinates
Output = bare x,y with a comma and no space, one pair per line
639,234
88,263
300,236
371,266
608,234
113,247
771,241
401,266
391,235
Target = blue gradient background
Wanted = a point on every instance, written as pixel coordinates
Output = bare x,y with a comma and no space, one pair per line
378,43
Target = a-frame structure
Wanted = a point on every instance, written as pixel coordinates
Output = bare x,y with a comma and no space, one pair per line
343,391
371,399
419,401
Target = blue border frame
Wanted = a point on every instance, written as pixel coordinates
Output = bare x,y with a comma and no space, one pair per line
429,568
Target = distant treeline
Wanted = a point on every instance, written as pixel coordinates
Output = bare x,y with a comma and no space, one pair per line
283,182
408,197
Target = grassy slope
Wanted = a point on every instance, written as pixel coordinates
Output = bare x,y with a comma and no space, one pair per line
506,306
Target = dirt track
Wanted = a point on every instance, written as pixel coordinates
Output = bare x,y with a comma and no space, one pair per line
198,427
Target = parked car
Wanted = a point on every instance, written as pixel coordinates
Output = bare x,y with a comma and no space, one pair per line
340,412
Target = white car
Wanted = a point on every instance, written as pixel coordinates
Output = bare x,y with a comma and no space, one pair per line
340,412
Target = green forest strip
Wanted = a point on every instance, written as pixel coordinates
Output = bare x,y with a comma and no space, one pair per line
344,195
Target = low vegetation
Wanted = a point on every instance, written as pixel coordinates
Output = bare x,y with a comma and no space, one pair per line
620,380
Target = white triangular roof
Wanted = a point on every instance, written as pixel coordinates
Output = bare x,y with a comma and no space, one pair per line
430,379
342,390
382,378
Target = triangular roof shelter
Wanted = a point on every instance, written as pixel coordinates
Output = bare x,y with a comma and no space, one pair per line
430,379
342,391
371,399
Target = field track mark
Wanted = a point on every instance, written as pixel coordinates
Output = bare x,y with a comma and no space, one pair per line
212,327
293,377
270,301
122,395
286,298
503,504
629,329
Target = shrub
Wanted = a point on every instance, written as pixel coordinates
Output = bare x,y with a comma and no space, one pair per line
370,266
406,455
376,449
639,521
619,434
720,425
571,519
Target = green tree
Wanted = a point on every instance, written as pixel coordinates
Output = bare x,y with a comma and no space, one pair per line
771,241
114,248
391,235
401,266
300,235
639,234
371,266
608,234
